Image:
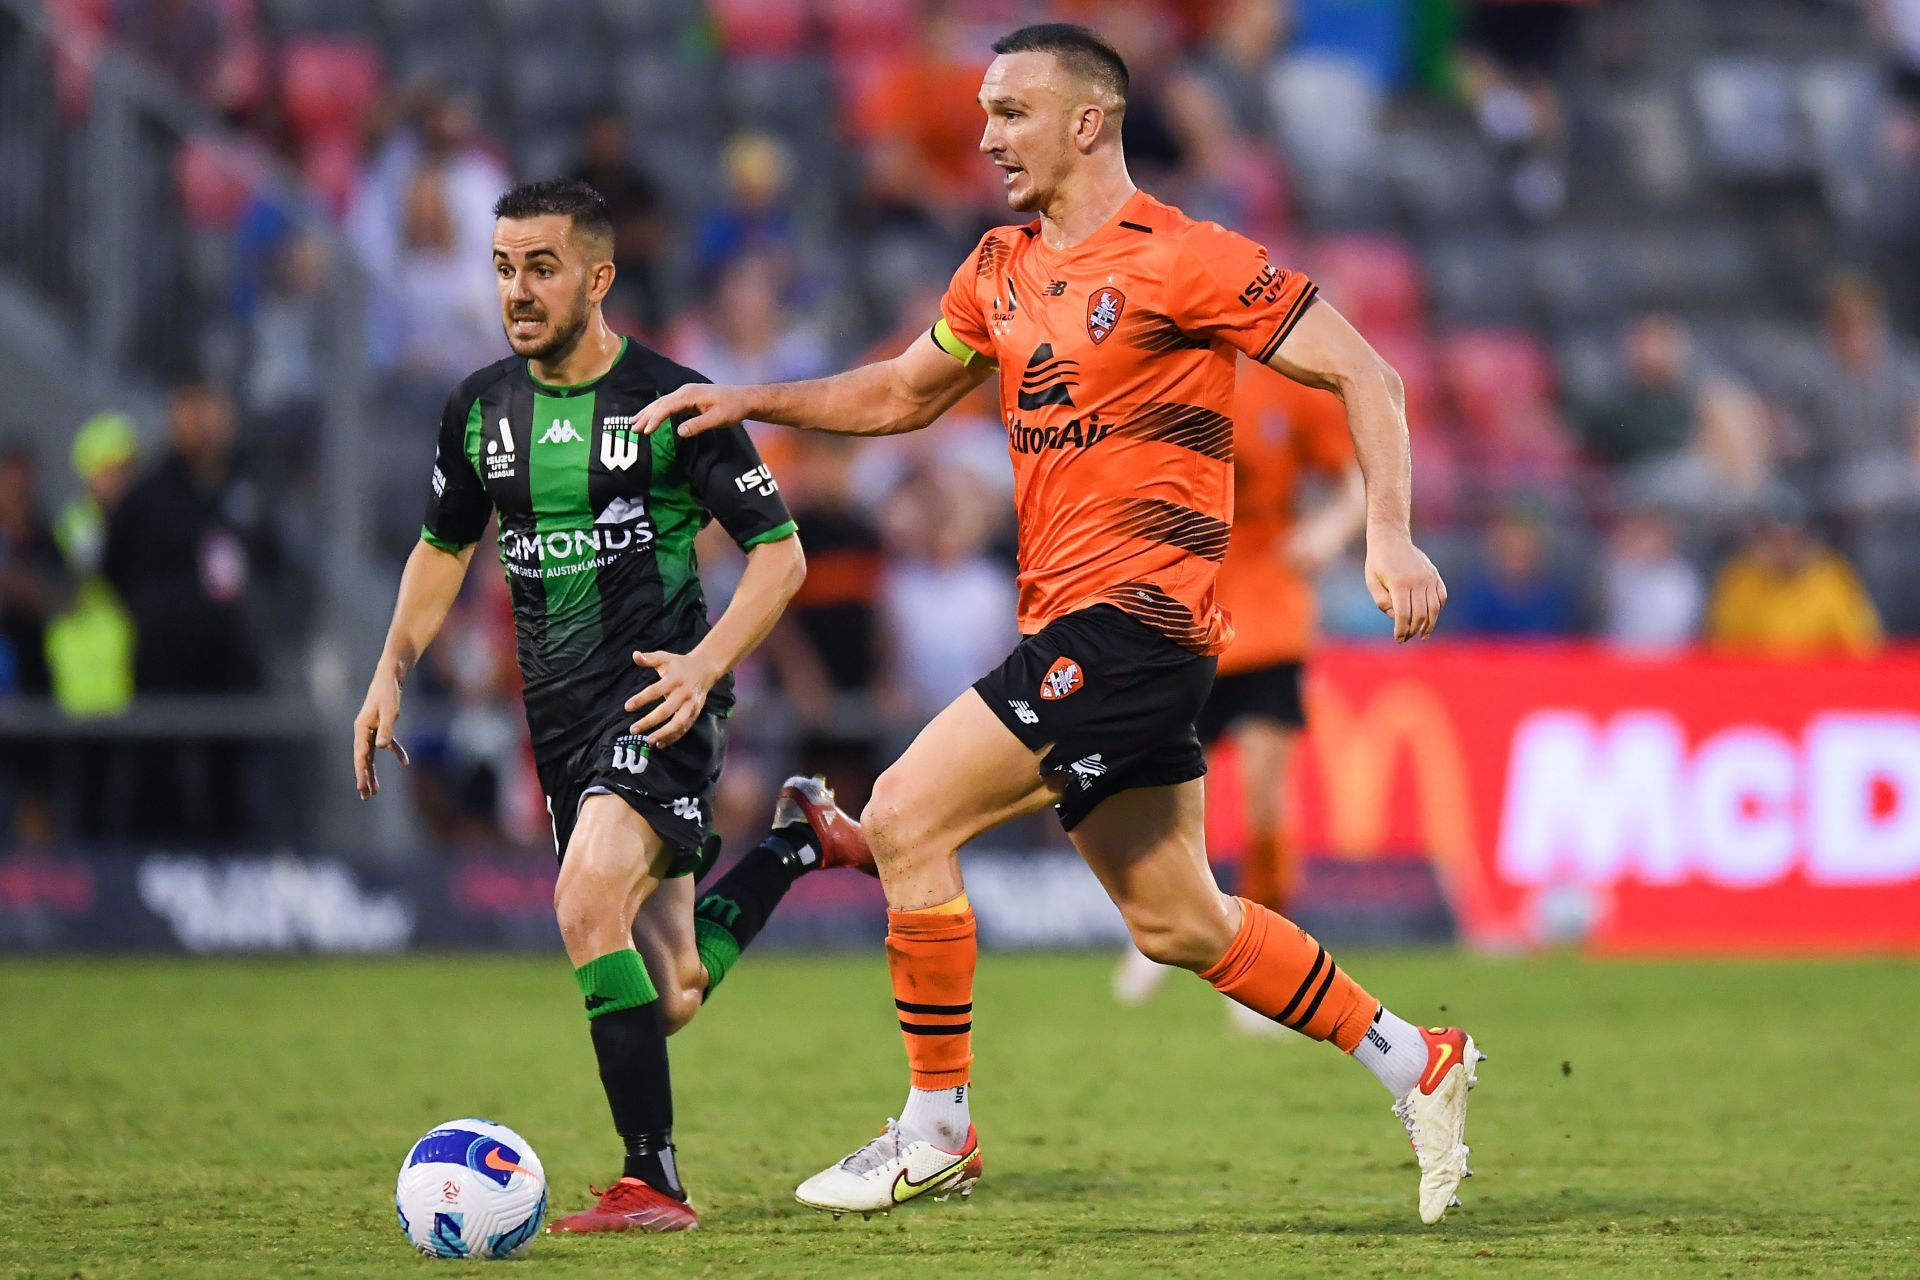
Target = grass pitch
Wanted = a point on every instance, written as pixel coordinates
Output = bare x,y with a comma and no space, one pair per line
207,1119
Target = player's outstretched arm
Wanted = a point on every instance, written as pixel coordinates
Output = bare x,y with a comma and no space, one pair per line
885,398
428,588
1323,350
774,572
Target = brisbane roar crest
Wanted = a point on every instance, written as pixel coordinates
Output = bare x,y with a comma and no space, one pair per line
1062,678
1103,312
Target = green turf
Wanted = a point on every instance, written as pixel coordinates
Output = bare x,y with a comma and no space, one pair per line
247,1119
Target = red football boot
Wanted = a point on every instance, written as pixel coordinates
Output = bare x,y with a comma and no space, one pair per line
810,800
629,1205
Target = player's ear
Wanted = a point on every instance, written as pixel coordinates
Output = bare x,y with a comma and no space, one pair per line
1089,127
600,279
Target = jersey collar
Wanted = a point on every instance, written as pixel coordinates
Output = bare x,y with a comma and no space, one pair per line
577,388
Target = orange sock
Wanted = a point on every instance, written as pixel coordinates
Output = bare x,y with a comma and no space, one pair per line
1275,968
931,955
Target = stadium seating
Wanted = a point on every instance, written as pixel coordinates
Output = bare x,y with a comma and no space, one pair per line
329,85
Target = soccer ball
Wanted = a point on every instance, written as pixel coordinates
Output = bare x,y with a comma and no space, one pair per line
471,1189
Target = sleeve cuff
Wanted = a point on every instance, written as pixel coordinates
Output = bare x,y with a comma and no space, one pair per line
1300,307
774,534
944,337
439,543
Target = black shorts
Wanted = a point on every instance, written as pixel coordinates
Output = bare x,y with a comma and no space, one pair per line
1264,693
671,787
1111,699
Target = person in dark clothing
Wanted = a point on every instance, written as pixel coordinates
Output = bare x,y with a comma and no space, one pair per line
640,225
827,649
34,586
183,550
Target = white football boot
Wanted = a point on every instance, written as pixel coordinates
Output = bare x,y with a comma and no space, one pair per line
891,1170
1435,1115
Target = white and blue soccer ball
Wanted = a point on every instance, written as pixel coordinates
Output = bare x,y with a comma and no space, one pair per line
471,1189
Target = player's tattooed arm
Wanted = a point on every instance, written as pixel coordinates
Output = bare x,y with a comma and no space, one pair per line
428,587
682,681
1325,351
888,397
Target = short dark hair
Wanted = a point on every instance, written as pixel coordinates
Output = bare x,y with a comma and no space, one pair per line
567,197
1085,53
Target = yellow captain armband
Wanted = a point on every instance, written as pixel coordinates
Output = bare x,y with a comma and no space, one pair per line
943,337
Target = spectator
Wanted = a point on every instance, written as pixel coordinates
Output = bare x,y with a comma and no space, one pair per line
33,577
289,338
641,231
1676,433
182,551
828,648
1238,57
948,604
207,49
33,586
920,111
744,333
90,646
755,216
1863,410
437,133
1515,51
1652,594
447,309
1518,591
1785,595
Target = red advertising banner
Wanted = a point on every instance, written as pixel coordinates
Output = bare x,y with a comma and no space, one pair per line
1564,793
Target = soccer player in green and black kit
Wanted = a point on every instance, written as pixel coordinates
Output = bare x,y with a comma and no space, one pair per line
628,688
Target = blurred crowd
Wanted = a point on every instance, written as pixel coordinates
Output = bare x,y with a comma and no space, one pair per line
1647,302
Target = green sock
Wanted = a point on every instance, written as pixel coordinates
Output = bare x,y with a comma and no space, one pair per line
732,915
617,980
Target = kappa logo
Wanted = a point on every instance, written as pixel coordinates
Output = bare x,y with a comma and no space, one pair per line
1063,678
1104,308
631,753
619,442
1088,770
687,807
1024,711
561,432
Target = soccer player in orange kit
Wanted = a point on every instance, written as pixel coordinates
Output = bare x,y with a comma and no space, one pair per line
1114,321
1285,434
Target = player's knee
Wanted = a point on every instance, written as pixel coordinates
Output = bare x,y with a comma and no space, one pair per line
888,821
584,906
678,1005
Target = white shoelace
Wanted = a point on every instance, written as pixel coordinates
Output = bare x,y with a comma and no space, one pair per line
876,1153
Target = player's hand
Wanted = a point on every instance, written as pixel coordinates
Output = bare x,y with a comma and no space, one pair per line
700,406
680,692
1404,584
373,731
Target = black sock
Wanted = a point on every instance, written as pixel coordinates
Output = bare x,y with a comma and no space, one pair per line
631,1045
732,913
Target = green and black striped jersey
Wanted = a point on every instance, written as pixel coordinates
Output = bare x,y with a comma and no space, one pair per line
597,524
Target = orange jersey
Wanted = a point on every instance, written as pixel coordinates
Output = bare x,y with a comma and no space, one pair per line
1116,365
1282,432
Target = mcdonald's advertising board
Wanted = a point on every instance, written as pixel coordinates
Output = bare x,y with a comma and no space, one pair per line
1691,804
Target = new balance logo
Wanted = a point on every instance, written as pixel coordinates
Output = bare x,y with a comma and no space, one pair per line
759,480
687,807
631,754
1088,771
560,433
1024,711
1056,287
619,443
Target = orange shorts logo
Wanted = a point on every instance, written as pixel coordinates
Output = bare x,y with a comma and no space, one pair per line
1062,678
